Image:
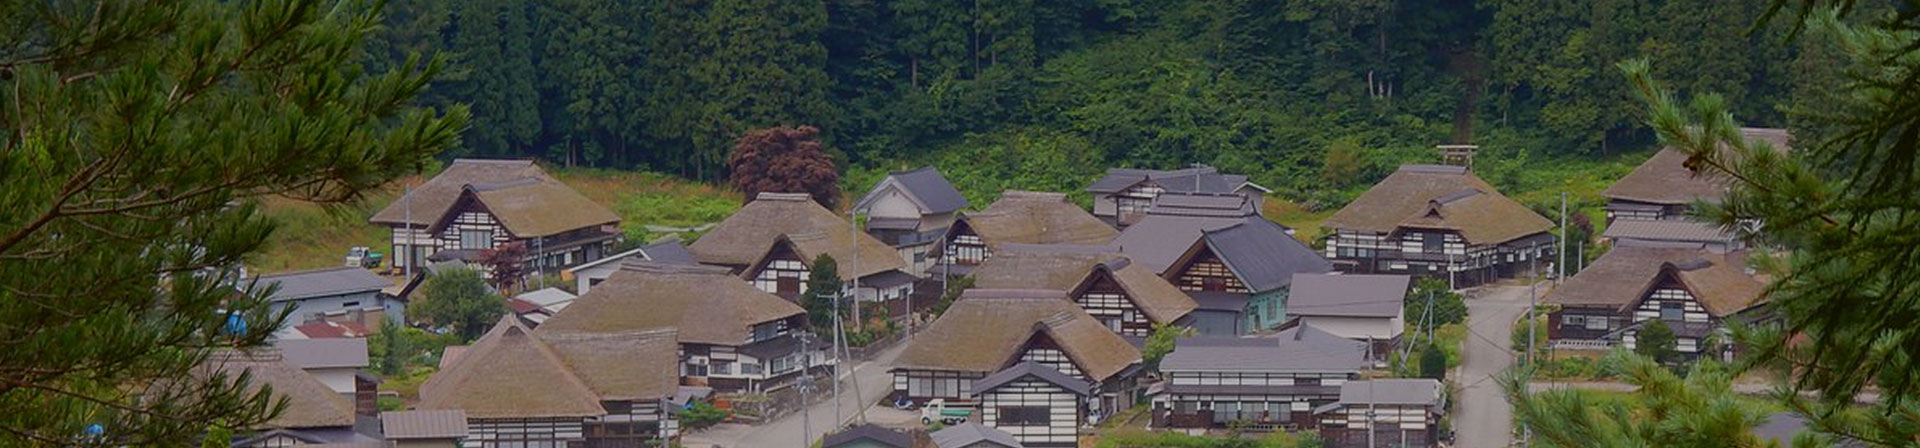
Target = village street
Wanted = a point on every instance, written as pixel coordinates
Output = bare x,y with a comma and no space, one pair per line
787,431
1483,418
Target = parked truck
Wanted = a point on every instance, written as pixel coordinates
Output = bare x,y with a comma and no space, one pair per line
937,410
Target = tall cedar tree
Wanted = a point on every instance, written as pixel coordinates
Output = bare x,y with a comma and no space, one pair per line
458,299
137,141
785,160
823,287
506,265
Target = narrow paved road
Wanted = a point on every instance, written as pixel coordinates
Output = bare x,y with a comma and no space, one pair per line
1484,419
788,431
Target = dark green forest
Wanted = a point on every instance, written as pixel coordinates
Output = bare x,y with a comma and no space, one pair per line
1312,97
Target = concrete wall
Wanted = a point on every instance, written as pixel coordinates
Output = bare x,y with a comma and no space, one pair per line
310,309
340,379
1358,328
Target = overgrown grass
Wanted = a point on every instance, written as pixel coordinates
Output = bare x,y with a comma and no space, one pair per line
1305,223
312,236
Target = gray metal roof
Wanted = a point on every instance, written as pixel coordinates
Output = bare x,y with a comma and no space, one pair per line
324,282
927,187
437,424
1347,295
668,250
323,353
1200,178
1416,391
1219,300
1666,230
973,435
1031,369
888,279
1263,255
868,432
1302,348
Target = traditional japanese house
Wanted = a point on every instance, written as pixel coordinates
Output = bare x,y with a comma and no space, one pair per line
1269,382
1038,405
424,429
1125,194
590,274
336,362
1439,221
1240,275
519,387
1360,307
1664,188
990,330
315,413
1124,297
911,210
771,240
1692,290
732,336
1019,217
1402,413
475,204
1176,220
345,294
1633,231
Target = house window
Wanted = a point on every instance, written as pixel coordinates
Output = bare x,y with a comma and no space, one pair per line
1597,323
1673,310
349,304
1024,416
722,368
751,368
476,239
696,369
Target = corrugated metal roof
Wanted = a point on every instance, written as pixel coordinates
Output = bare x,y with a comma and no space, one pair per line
925,186
1347,295
400,425
868,432
1031,369
1263,255
1199,178
323,282
1666,230
323,353
1302,348
973,435
1417,391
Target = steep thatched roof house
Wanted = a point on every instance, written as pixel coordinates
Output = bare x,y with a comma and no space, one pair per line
1438,221
315,413
1693,290
1020,217
773,240
479,204
1124,297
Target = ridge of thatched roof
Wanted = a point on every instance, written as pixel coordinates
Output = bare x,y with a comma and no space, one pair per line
510,373
1058,267
706,305
633,365
746,236
1665,179
1027,217
1619,279
532,207
431,199
1439,197
985,329
310,403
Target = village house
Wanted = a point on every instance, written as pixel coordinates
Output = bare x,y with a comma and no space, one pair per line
973,435
1241,274
315,413
521,388
988,331
1692,289
345,294
1360,307
476,204
1439,221
772,242
336,363
869,435
1037,404
1126,298
1176,220
1663,188
1125,194
424,429
1401,412
1272,382
911,210
590,274
732,336
1019,217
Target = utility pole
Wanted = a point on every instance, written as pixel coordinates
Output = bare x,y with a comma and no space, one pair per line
406,203
1564,234
806,387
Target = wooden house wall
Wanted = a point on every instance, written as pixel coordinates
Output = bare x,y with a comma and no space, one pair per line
1347,427
921,385
1023,399
1105,300
785,264
1288,403
965,247
1206,272
524,432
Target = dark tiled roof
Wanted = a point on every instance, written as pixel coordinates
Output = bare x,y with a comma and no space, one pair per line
1411,195
927,187
1030,369
1621,277
323,282
870,433
1263,255
1302,348
973,435
1347,295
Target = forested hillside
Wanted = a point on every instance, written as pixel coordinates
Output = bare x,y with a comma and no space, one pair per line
1315,98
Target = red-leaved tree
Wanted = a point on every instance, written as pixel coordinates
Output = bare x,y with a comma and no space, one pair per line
784,159
504,265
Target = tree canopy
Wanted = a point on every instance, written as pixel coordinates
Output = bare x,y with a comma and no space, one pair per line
458,299
136,141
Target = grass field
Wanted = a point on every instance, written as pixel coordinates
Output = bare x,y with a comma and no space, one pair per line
312,236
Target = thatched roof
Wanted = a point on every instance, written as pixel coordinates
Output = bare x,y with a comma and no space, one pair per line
707,305
510,373
1619,279
744,237
636,365
528,201
1439,197
985,329
310,403
1026,217
812,245
1665,179
1067,268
